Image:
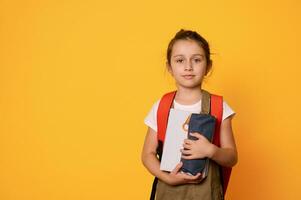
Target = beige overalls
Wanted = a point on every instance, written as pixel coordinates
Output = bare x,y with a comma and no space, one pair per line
209,189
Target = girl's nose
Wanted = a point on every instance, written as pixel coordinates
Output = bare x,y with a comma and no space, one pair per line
188,66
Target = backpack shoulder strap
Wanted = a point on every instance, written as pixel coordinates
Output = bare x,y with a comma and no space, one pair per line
163,113
162,119
217,111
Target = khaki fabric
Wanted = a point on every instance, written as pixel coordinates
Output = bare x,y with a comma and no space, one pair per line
209,189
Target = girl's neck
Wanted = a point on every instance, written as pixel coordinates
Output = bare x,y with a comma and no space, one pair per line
187,96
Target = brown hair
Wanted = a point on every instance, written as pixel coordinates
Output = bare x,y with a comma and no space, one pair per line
190,35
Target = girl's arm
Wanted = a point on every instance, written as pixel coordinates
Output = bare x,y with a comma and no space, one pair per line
226,155
149,155
151,162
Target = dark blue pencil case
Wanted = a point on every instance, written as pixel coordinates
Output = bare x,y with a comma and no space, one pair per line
205,125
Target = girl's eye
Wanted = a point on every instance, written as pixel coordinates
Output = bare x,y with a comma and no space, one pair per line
179,61
197,60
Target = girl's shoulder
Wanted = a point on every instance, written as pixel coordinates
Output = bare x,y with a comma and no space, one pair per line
227,109
151,117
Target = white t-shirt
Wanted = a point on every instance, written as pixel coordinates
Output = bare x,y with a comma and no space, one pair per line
151,118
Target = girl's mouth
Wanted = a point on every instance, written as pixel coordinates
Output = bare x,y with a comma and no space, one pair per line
188,77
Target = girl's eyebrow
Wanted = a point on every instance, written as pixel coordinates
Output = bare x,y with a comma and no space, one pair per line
196,54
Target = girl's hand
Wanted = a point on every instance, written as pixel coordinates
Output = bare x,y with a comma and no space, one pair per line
197,149
175,177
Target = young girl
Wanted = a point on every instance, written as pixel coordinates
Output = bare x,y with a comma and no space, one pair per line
188,61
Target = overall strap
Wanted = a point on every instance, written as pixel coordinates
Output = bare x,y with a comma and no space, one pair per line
205,102
205,108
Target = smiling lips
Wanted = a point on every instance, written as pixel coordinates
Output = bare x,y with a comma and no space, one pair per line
188,76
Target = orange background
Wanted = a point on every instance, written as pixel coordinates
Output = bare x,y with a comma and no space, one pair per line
77,79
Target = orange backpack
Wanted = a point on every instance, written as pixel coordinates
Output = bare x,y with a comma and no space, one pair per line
216,109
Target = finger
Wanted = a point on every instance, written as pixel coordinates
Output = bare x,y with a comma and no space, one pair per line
198,176
192,178
187,146
186,152
196,181
188,141
197,135
188,157
177,168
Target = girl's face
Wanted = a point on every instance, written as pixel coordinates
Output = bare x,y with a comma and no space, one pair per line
187,63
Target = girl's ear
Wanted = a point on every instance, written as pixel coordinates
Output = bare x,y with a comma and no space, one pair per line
208,67
169,68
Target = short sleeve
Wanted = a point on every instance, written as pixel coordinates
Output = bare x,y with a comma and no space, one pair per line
151,118
227,110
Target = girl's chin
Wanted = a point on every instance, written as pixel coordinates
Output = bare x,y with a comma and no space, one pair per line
190,81
190,86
